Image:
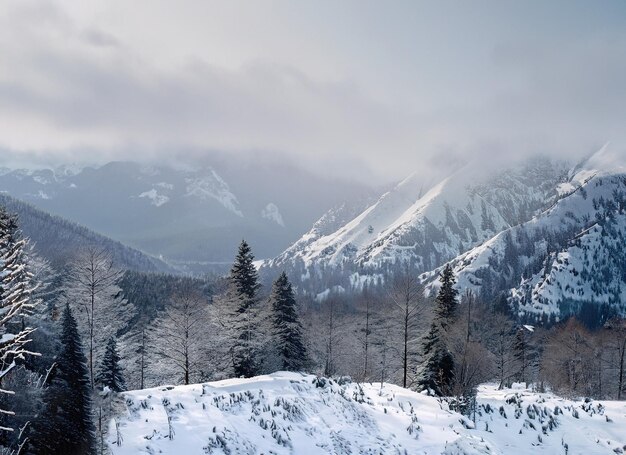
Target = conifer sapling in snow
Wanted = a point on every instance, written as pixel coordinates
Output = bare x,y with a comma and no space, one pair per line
287,328
110,372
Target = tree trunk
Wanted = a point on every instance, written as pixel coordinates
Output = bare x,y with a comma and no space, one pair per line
621,371
405,357
91,328
367,330
143,353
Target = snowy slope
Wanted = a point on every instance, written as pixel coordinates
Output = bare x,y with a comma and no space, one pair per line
289,413
566,257
421,225
359,232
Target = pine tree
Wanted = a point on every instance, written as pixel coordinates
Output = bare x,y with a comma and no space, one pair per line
244,276
242,299
110,372
64,426
287,328
437,369
446,302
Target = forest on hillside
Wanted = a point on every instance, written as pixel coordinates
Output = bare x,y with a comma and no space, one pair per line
77,333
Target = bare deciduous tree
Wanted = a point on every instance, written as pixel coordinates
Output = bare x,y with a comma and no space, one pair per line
179,333
472,360
502,343
366,305
91,287
406,296
566,359
615,333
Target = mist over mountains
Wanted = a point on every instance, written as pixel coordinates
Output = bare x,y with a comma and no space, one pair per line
193,217
542,234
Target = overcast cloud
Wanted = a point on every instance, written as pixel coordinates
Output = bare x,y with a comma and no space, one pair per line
360,88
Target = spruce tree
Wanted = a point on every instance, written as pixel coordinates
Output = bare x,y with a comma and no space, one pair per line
243,274
242,297
287,334
110,372
446,302
437,369
523,354
64,426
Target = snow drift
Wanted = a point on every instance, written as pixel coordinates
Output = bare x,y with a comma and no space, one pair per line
290,413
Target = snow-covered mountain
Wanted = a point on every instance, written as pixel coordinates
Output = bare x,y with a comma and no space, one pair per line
568,259
546,236
185,214
290,413
420,225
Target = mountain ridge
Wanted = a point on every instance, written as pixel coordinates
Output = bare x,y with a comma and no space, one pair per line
187,214
423,230
58,240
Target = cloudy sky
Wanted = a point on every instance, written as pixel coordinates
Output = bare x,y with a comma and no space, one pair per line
363,88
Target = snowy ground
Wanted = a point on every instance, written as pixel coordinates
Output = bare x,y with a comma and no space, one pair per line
289,413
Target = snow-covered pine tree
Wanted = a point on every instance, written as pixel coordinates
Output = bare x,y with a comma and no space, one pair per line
64,426
15,300
243,312
437,369
287,333
110,371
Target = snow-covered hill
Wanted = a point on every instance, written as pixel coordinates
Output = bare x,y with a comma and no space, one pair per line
289,413
421,225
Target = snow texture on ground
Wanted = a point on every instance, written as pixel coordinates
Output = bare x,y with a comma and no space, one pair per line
290,413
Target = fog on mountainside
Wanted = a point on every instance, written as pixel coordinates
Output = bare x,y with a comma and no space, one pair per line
191,217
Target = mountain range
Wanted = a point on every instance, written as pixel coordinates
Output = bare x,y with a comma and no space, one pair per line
191,217
544,235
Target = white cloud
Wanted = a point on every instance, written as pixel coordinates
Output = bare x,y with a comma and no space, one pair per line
340,88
